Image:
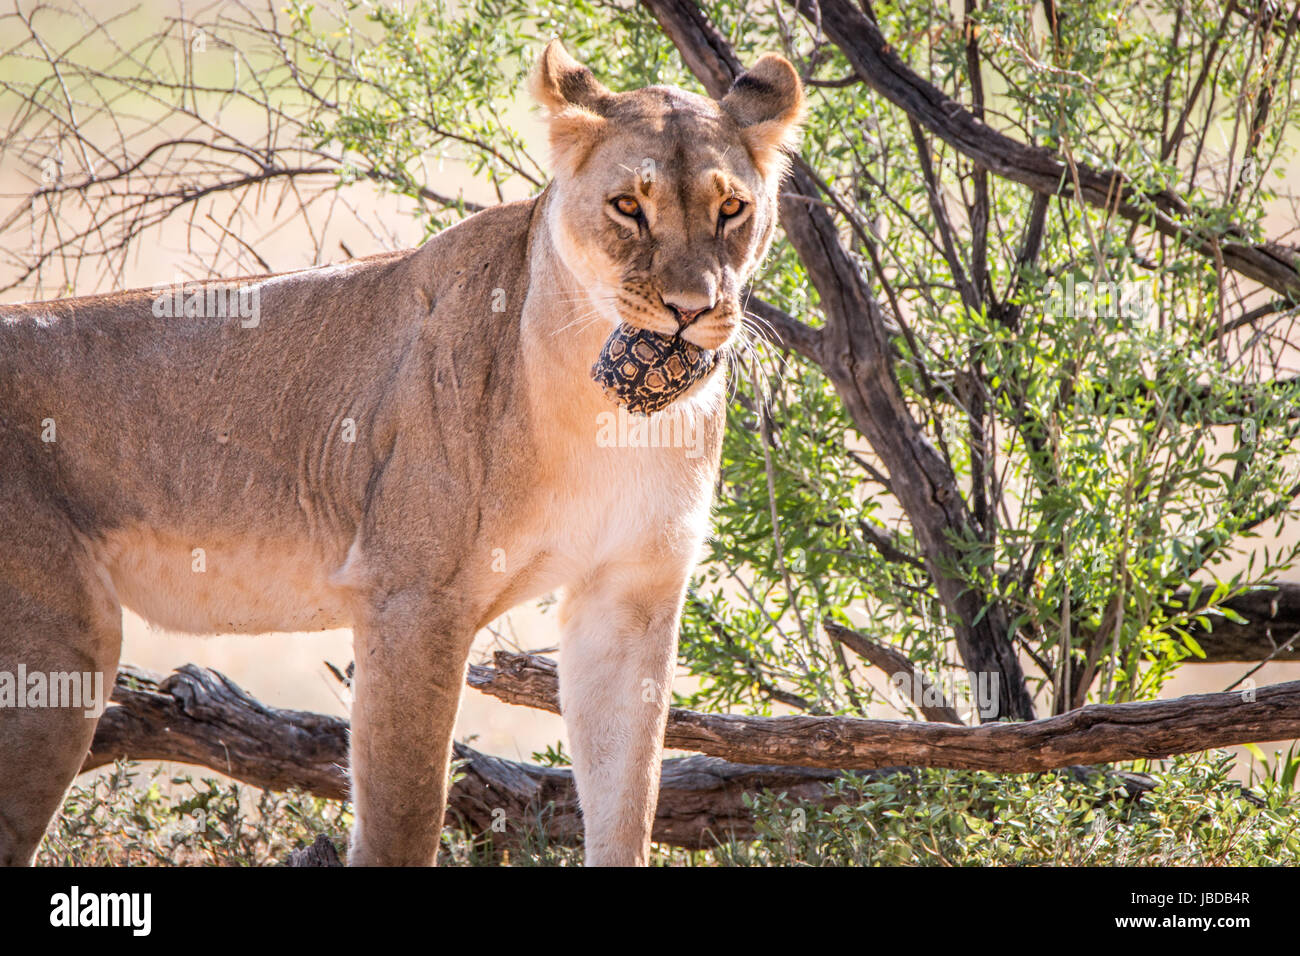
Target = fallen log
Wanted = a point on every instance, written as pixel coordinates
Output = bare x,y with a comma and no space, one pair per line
195,714
198,716
1098,733
322,852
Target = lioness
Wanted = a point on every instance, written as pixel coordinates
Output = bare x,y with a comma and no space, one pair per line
406,445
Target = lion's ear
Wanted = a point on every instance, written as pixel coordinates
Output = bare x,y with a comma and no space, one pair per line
573,100
768,104
559,82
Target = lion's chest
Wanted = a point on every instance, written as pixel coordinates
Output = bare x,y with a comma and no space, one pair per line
623,502
632,497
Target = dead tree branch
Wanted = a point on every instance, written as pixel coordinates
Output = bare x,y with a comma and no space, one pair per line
1272,617
1098,733
891,662
198,716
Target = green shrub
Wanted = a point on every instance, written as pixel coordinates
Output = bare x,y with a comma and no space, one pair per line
1194,816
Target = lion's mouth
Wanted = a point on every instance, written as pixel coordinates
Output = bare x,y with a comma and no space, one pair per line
711,330
713,337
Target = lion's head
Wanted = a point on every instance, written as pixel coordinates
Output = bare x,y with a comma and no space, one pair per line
666,200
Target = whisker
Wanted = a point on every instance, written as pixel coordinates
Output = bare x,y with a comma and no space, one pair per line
589,324
589,316
763,322
764,343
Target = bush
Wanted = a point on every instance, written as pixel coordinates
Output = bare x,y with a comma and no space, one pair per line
1195,816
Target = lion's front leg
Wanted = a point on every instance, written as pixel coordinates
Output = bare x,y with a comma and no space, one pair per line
411,662
619,646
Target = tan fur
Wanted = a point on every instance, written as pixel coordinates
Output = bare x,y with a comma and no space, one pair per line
475,479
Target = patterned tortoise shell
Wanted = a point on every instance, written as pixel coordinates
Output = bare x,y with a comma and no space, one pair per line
646,371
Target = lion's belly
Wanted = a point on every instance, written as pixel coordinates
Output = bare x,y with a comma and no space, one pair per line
239,586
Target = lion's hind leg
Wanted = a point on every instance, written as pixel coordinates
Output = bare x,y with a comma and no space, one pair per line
60,639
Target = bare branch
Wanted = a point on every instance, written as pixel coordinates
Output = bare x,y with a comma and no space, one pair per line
198,716
891,662
1098,733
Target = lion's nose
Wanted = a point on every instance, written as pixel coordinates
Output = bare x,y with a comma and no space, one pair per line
686,318
686,312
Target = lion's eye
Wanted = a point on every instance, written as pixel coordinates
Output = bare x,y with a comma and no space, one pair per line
627,206
731,207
